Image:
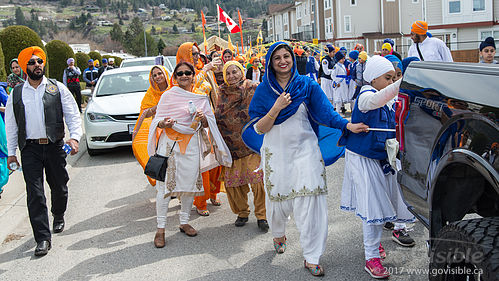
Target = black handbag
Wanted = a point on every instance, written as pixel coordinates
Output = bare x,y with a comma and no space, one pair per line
156,165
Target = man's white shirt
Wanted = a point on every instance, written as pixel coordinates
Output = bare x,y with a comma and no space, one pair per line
35,118
432,49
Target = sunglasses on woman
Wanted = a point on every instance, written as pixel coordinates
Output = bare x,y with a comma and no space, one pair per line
33,61
182,73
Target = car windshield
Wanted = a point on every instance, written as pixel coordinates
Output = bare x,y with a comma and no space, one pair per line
137,63
123,83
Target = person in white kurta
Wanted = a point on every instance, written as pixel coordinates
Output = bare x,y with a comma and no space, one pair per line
339,75
430,48
294,170
368,191
191,148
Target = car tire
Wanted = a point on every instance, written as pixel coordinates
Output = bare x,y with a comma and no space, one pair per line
471,244
92,152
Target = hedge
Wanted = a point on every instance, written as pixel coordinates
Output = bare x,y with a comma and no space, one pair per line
58,52
16,38
81,60
3,75
95,56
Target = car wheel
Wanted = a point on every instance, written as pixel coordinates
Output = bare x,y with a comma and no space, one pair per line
466,250
92,152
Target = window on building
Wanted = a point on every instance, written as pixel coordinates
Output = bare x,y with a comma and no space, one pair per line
489,33
353,2
454,6
348,23
312,7
478,5
285,18
298,12
327,4
415,1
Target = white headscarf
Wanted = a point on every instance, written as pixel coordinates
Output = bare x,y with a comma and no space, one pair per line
377,66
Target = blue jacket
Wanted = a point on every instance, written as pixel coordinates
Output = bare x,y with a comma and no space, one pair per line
311,67
372,143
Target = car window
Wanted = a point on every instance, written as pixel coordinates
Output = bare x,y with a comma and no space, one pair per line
137,63
123,83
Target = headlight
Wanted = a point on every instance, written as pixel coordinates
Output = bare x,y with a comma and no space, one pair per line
98,117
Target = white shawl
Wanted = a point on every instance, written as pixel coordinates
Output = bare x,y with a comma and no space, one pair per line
174,104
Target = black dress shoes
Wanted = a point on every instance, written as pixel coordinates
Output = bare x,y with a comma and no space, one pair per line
240,221
58,225
42,248
263,225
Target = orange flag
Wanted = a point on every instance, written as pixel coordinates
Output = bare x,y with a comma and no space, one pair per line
203,20
241,25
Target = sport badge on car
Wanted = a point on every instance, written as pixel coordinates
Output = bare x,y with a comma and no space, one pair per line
52,89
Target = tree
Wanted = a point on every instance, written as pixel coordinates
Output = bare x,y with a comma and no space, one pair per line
136,27
3,74
116,33
175,28
20,20
58,52
161,45
153,30
16,38
265,30
81,60
95,56
193,28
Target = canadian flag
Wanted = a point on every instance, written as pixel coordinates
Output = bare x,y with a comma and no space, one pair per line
223,17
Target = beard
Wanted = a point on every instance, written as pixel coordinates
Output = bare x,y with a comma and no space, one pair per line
33,76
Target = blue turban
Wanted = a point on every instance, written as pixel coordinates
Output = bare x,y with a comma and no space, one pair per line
330,48
343,50
90,60
407,61
396,60
389,41
338,56
354,54
488,42
104,60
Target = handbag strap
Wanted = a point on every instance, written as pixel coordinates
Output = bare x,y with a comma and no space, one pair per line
171,150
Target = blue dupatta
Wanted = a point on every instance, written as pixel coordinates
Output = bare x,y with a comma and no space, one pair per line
327,124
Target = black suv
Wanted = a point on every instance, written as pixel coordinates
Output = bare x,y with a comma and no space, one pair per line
447,126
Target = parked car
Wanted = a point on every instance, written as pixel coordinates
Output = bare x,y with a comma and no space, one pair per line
447,126
168,61
114,108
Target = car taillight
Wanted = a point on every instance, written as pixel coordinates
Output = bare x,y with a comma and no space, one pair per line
401,112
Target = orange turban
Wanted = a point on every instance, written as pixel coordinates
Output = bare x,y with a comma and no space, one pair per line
26,54
419,27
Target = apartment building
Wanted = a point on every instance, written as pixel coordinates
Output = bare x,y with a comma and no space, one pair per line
370,22
463,24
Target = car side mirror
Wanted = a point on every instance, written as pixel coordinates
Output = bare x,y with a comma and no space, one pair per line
86,93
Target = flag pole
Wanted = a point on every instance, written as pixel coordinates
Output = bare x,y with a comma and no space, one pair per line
218,21
203,21
241,25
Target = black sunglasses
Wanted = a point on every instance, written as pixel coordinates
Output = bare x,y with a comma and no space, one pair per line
182,73
195,54
33,61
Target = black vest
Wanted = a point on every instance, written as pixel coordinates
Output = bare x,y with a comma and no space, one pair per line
330,65
72,79
52,109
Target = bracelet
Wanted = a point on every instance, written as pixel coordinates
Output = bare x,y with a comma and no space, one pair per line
270,116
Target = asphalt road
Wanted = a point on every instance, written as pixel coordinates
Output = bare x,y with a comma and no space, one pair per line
110,225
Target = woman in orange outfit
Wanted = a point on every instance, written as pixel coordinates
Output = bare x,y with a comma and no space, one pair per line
158,79
204,84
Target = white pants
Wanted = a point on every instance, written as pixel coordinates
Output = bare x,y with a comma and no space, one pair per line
310,213
162,209
372,238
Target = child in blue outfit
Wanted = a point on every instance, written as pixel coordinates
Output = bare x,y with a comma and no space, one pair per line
370,187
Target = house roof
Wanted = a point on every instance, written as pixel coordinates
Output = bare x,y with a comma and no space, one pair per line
274,8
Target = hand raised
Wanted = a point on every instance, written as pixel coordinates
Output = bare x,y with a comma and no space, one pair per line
283,101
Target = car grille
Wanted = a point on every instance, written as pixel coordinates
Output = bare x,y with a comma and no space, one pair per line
126,117
120,136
